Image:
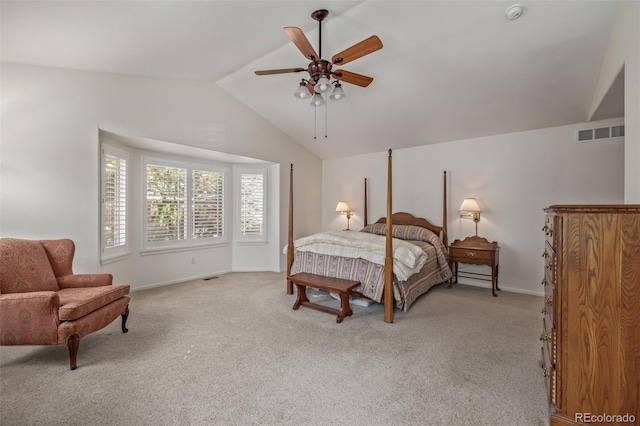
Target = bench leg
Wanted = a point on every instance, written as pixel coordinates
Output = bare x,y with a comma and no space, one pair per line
302,296
345,308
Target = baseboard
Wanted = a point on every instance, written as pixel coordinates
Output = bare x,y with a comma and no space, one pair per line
508,289
277,271
178,281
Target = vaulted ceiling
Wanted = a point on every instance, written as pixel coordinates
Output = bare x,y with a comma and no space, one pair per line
449,70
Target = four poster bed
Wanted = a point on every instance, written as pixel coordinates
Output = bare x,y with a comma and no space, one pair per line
399,257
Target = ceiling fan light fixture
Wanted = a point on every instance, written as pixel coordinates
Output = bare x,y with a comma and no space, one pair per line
302,92
337,93
317,100
322,85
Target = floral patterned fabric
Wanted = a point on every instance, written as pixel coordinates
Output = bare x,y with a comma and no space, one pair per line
25,267
93,321
29,318
60,254
78,302
42,302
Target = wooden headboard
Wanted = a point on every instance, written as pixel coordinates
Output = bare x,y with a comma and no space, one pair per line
403,218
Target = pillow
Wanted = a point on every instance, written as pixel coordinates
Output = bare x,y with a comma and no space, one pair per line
403,232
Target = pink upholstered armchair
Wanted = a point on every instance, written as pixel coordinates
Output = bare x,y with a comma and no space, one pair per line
43,303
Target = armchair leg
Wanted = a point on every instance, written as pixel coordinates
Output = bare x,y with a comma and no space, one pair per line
124,319
73,343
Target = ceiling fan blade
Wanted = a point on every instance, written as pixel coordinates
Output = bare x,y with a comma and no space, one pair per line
280,71
358,50
352,77
302,43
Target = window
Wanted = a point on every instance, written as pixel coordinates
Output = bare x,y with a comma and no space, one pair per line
166,203
208,204
253,195
185,204
114,242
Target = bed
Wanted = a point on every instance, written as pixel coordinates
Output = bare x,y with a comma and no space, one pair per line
396,259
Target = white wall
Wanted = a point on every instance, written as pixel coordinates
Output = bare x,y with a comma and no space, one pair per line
49,157
630,15
513,177
623,50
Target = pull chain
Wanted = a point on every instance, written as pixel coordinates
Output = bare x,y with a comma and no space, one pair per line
326,109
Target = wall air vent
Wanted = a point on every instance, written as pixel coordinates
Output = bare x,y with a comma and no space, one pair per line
599,133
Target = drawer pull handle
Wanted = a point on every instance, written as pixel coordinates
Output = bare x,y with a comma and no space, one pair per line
549,300
549,266
544,310
471,254
544,282
546,373
545,337
545,254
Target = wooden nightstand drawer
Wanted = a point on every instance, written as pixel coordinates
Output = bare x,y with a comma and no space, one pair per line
468,256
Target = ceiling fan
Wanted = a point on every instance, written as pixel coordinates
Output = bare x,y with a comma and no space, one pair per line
320,70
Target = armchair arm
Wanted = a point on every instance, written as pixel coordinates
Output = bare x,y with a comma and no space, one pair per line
29,318
85,280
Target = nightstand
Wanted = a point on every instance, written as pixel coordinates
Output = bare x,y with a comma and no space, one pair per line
475,251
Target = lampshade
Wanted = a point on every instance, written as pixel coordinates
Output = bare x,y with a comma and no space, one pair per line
322,85
470,205
337,93
342,207
317,100
302,92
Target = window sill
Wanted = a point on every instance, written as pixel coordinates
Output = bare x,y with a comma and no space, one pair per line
161,250
252,243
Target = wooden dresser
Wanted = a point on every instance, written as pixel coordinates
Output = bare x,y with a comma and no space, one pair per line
591,313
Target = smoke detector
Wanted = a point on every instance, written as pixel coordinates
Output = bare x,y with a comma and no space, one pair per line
514,12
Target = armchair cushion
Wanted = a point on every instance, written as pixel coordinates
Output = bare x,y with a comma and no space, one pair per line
25,267
78,302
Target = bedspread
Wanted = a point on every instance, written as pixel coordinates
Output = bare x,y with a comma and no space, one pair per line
408,258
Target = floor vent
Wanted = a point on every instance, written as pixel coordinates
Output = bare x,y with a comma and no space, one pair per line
210,278
599,133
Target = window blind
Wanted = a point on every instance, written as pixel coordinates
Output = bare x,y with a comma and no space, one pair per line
166,203
208,204
114,201
252,209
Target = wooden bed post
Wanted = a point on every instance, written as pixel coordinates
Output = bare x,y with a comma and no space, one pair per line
388,261
290,241
365,203
445,237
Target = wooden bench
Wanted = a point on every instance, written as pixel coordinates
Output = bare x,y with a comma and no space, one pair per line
303,280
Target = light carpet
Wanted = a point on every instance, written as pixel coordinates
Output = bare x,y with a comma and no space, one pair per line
231,351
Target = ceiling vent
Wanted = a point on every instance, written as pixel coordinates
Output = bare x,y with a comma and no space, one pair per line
599,133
